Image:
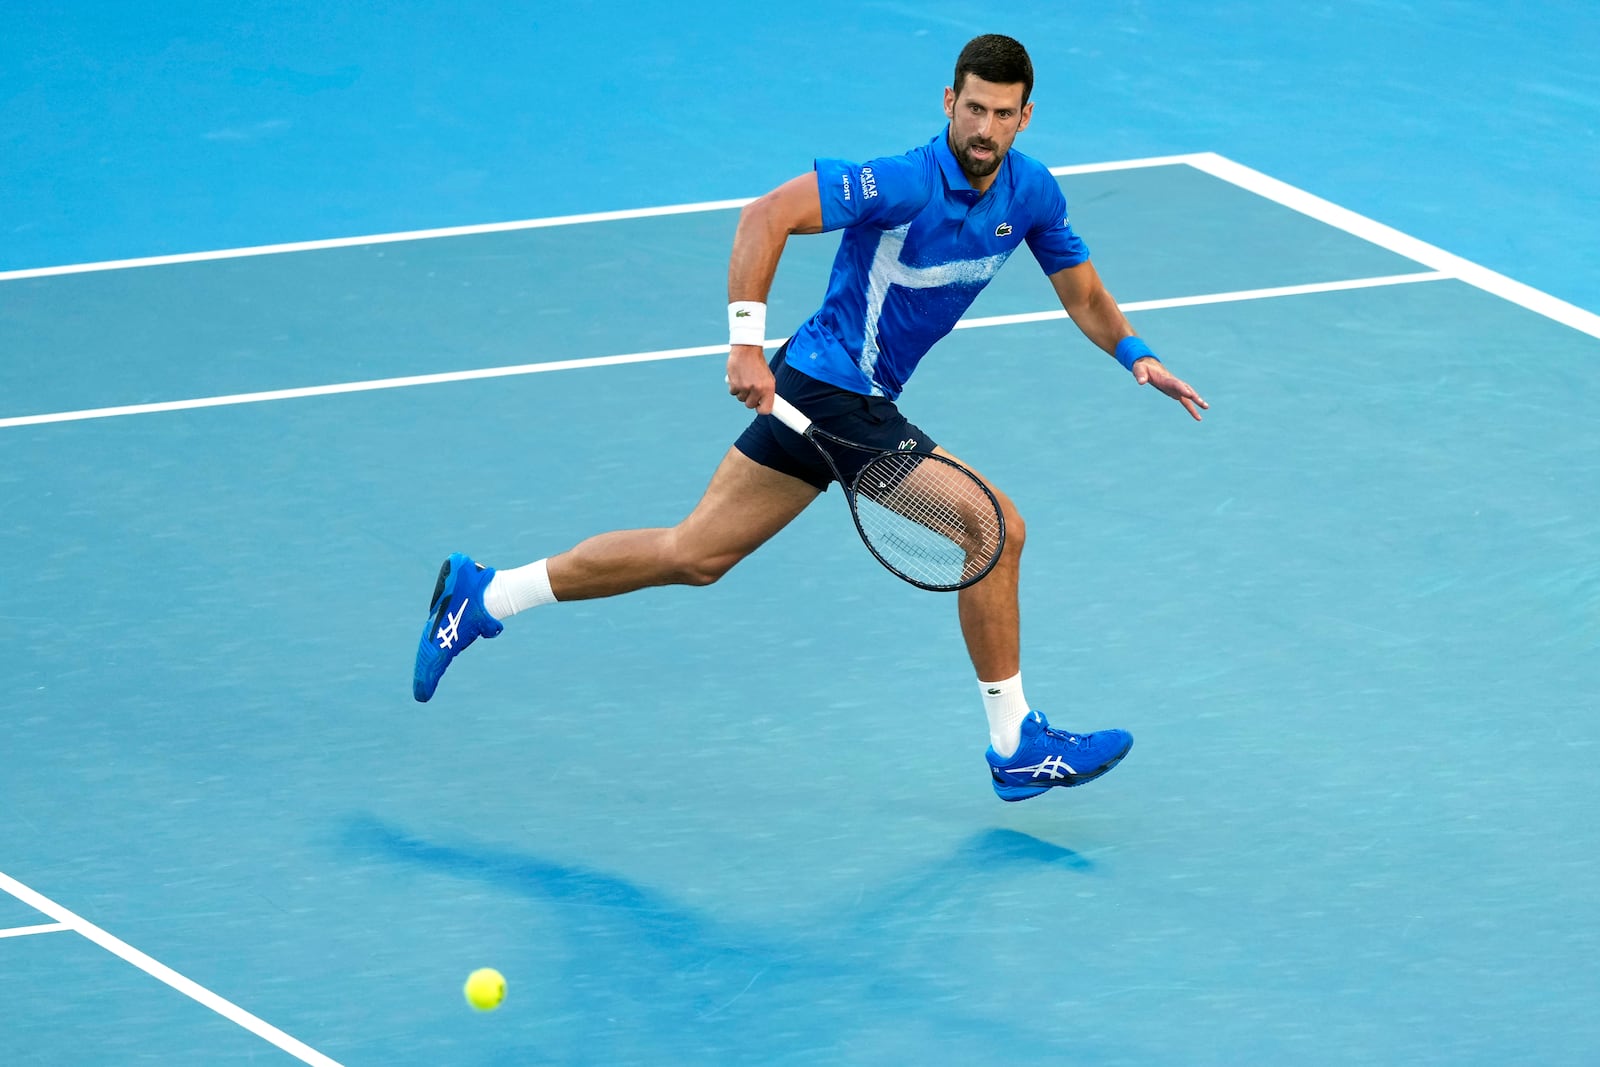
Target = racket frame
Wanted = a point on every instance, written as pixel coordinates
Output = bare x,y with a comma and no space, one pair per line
796,420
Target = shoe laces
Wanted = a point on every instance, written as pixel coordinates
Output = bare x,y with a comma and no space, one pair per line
1074,740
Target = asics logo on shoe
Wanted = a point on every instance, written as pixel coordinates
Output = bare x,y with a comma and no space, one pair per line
447,634
1052,766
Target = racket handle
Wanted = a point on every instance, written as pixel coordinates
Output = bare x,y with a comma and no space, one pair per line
789,415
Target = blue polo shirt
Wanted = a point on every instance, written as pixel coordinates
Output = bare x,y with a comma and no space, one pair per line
919,245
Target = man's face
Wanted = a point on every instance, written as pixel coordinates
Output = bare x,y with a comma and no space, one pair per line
984,120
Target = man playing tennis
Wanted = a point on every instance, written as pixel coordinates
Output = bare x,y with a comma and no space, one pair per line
924,232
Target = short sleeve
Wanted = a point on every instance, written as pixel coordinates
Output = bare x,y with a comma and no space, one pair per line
1052,240
882,192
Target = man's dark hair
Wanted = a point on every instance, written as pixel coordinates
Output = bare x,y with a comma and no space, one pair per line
995,58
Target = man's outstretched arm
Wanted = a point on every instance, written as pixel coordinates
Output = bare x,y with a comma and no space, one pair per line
764,227
1085,298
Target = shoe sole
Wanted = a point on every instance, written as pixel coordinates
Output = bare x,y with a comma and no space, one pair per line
444,587
1013,793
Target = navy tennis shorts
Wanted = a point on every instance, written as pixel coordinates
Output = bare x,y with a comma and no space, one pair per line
872,421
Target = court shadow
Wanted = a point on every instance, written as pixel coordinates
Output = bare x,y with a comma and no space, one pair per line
641,974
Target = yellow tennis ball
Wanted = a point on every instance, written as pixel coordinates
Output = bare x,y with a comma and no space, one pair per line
485,989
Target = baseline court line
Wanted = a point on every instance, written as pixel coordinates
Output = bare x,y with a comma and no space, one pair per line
482,228
669,353
1331,214
42,928
161,972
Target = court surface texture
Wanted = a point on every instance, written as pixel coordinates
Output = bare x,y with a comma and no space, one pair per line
1350,618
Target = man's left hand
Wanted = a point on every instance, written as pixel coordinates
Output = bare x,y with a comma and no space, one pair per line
1148,371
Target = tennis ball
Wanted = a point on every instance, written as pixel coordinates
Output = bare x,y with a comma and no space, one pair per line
485,988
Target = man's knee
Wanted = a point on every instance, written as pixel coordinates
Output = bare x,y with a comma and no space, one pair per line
744,505
705,570
698,564
1016,529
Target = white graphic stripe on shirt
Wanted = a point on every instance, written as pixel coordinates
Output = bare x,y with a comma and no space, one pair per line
889,270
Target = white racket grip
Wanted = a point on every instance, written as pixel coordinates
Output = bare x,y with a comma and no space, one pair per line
789,415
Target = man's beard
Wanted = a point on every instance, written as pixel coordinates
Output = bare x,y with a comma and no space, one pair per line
979,168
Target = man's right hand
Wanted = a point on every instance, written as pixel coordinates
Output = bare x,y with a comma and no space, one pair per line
749,377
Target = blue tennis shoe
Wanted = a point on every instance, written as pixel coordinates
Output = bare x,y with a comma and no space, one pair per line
1047,758
456,618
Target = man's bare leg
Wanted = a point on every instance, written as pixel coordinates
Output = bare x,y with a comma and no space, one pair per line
991,625
745,505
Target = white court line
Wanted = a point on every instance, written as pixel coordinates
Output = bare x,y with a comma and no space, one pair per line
42,928
161,972
372,239
1126,164
669,353
481,228
1214,298
1377,233
363,387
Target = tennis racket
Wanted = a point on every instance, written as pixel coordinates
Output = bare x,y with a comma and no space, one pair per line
927,518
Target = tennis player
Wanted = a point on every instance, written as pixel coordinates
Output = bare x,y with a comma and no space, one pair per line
923,233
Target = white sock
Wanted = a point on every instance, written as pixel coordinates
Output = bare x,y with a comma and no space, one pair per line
1006,707
518,589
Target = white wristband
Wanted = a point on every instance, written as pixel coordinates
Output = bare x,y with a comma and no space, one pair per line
747,323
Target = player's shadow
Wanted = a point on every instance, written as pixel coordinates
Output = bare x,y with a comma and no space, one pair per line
645,978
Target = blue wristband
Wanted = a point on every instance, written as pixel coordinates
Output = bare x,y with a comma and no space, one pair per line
1130,349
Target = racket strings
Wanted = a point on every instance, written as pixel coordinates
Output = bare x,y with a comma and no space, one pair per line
928,519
